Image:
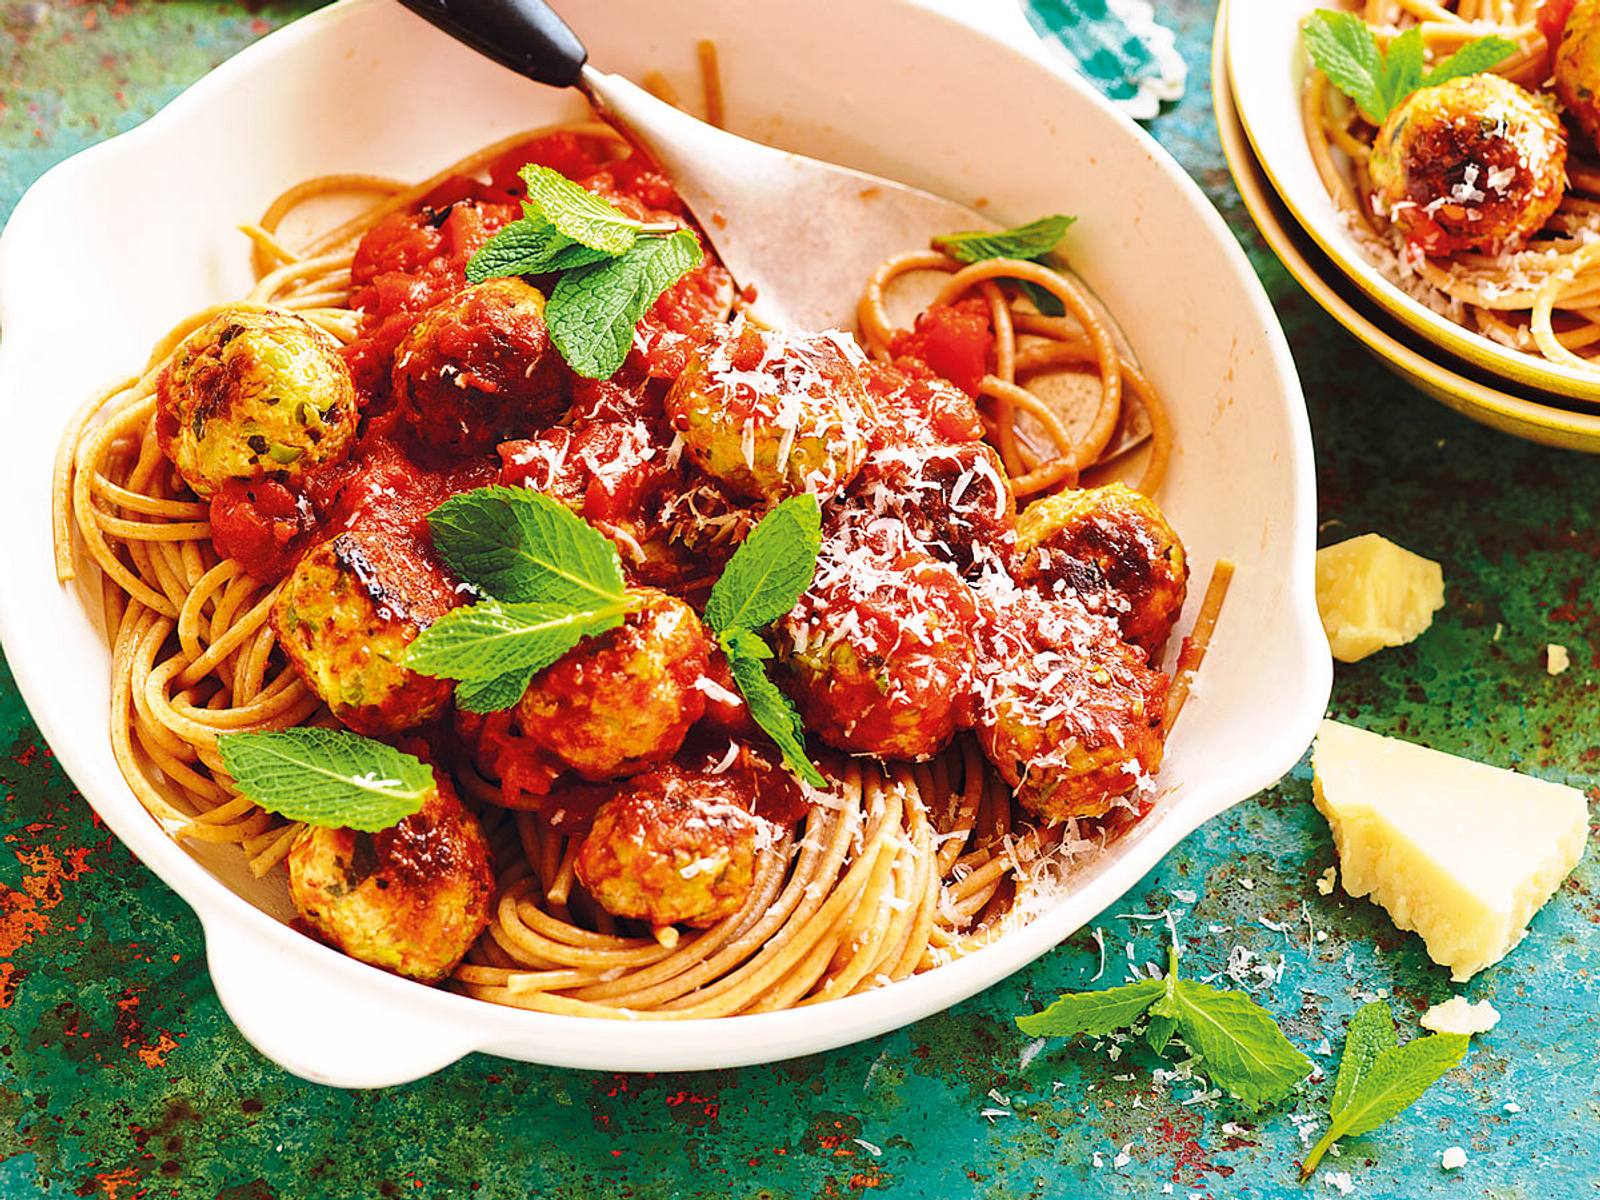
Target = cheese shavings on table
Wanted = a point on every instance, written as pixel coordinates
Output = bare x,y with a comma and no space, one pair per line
1372,594
1460,852
1458,1015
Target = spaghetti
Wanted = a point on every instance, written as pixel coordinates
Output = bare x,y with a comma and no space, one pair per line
1543,298
897,868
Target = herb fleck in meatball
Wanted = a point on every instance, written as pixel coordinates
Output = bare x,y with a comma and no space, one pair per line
674,846
347,615
254,393
952,501
1112,547
1577,65
1473,164
410,899
478,369
879,653
623,701
773,414
1068,713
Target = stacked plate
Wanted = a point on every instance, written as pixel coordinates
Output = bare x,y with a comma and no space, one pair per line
1258,68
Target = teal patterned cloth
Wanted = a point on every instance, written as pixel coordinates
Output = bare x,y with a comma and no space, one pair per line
1117,45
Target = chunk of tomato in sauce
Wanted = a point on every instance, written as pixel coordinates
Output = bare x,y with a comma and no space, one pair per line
952,340
259,522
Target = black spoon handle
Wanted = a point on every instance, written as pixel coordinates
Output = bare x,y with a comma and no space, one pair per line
525,35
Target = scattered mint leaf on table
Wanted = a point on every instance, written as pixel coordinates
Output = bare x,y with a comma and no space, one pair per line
516,544
1342,46
1094,1013
1240,1046
1379,1079
771,568
328,777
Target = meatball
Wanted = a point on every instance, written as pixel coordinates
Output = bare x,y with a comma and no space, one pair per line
254,393
478,369
1069,714
673,847
879,653
1113,548
1577,65
623,701
954,502
773,414
1473,164
347,615
410,899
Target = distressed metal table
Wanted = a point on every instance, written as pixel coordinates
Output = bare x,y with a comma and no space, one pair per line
121,1077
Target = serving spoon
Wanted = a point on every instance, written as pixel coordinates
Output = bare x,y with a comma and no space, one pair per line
774,218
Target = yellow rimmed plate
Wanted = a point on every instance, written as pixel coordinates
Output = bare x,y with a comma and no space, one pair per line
1518,414
1266,67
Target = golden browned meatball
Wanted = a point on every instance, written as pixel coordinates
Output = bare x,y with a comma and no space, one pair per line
1112,547
478,369
623,701
952,501
410,899
1577,65
347,615
879,654
1473,164
673,847
1068,713
773,414
254,393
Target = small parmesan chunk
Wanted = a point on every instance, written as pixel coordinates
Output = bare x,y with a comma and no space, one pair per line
1372,594
1461,852
1456,1015
1453,1159
1556,659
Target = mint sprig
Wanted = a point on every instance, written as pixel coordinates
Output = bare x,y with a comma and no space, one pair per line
609,268
327,777
1378,1078
1342,46
1032,242
550,580
1240,1045
593,311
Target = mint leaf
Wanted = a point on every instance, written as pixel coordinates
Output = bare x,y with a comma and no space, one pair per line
1476,57
592,311
1047,302
1342,48
771,568
577,212
1378,1079
1028,241
1402,69
531,246
517,544
1397,1080
495,693
1159,1032
489,640
328,777
769,707
1094,1013
1370,1034
1243,1049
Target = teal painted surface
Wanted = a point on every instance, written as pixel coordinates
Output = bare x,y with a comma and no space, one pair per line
120,1076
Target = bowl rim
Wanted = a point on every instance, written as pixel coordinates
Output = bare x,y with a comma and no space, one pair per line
1480,401
285,959
1273,85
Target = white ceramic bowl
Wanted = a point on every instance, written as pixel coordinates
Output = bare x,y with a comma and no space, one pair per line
110,248
1267,65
